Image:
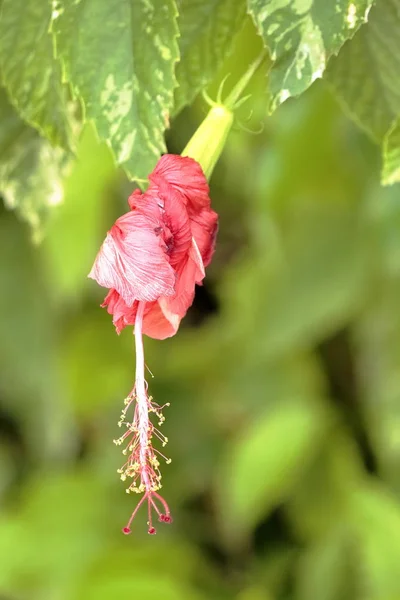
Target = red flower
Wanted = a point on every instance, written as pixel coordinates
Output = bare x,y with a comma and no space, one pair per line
151,260
157,252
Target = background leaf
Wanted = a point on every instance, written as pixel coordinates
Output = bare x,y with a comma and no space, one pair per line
302,36
391,155
207,35
30,377
264,462
331,559
365,73
378,364
123,71
377,527
146,587
76,229
31,73
31,170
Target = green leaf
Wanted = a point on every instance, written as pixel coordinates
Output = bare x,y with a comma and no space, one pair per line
78,228
327,570
366,73
391,155
67,515
384,207
29,371
376,523
265,462
123,71
139,560
207,31
377,336
137,586
30,72
126,571
321,498
302,35
31,170
306,191
96,378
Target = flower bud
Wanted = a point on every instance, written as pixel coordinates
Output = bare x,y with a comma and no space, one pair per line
208,141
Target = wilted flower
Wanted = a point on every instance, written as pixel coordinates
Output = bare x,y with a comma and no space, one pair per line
151,260
157,252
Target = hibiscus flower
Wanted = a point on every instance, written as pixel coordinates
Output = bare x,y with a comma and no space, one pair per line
158,251
151,260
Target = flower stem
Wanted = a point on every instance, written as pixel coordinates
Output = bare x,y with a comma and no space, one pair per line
208,141
241,85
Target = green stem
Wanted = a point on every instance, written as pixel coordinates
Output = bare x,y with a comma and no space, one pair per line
237,91
208,141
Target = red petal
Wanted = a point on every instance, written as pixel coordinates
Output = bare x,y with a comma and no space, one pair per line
191,272
162,318
204,226
175,217
196,258
186,176
134,199
158,322
123,315
133,262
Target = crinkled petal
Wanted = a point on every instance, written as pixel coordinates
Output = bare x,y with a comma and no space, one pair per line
135,199
186,176
132,260
162,318
123,315
204,227
158,322
147,203
191,272
196,258
176,220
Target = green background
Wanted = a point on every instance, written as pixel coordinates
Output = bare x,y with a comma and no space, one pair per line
284,379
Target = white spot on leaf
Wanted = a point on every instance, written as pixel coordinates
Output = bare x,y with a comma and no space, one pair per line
351,17
56,197
127,146
284,95
272,28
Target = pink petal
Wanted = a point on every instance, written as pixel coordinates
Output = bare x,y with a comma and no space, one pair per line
204,226
158,322
175,218
197,259
133,262
134,199
191,272
123,315
185,175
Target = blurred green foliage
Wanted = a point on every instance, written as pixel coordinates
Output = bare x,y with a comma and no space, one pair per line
284,384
